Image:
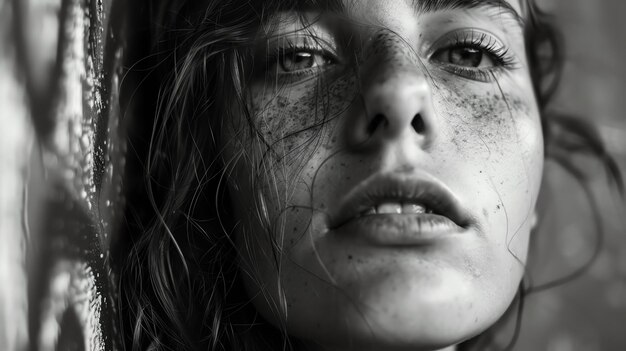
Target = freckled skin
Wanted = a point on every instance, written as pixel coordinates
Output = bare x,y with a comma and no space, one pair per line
482,139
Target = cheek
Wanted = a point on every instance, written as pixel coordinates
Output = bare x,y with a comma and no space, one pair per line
292,140
487,125
495,137
302,115
274,184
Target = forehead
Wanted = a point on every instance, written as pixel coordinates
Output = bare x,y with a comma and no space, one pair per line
513,8
389,9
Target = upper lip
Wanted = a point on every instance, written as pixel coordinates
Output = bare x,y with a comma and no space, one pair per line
419,187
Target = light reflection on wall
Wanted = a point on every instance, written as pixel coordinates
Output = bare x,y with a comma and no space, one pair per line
61,173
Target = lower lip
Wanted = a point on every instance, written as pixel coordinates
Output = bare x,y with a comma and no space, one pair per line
400,229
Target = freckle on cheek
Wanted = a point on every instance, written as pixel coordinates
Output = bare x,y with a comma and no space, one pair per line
487,120
297,118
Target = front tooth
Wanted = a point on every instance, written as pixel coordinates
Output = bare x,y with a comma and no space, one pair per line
413,208
389,207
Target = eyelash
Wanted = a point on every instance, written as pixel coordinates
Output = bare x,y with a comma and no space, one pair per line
273,59
500,55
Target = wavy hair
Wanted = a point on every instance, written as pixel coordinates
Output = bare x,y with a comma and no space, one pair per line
179,286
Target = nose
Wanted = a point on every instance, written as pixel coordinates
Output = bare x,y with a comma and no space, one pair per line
396,97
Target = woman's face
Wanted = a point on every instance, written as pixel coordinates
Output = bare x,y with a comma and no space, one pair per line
386,196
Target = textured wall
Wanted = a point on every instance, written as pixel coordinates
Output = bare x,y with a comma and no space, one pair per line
61,156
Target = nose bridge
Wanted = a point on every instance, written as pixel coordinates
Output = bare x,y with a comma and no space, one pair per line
393,79
395,91
388,55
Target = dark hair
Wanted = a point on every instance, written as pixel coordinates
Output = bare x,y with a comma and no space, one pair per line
179,285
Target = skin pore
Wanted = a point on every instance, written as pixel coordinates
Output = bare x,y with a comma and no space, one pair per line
405,93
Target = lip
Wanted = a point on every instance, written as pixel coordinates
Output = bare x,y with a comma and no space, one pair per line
449,216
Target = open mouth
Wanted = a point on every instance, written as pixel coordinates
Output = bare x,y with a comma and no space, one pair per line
399,208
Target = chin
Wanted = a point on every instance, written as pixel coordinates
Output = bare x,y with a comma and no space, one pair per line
426,332
396,312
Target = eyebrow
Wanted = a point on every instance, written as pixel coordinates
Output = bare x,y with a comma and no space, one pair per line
442,5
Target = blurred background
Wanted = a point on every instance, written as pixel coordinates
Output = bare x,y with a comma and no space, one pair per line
588,313
62,151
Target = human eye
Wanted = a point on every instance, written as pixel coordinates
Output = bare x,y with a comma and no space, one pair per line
300,57
472,54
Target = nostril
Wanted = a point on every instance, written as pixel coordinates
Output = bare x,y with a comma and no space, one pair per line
378,119
418,124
